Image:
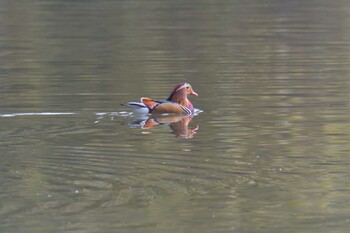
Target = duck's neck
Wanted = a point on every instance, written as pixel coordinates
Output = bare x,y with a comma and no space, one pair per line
181,98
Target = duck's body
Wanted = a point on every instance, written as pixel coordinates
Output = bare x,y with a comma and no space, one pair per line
137,107
177,102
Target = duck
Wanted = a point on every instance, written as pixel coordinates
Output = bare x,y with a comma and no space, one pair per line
176,103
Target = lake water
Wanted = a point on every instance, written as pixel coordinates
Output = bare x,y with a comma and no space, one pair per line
268,153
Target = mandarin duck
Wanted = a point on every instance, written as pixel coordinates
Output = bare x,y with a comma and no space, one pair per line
176,103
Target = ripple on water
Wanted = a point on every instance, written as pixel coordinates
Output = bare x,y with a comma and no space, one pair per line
71,165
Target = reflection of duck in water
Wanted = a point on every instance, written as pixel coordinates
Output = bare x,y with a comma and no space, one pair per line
177,102
178,123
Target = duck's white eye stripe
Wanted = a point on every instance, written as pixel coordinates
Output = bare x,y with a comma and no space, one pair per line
182,86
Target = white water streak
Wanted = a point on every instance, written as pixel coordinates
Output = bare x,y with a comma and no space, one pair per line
37,114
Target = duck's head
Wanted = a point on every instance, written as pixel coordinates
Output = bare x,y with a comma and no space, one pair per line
182,89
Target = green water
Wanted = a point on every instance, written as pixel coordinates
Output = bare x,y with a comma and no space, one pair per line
270,149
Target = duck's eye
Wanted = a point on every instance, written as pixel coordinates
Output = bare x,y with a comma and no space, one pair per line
187,87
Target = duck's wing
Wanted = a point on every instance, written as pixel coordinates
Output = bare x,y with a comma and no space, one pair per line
163,107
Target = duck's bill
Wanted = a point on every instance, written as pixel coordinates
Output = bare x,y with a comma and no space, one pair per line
193,93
